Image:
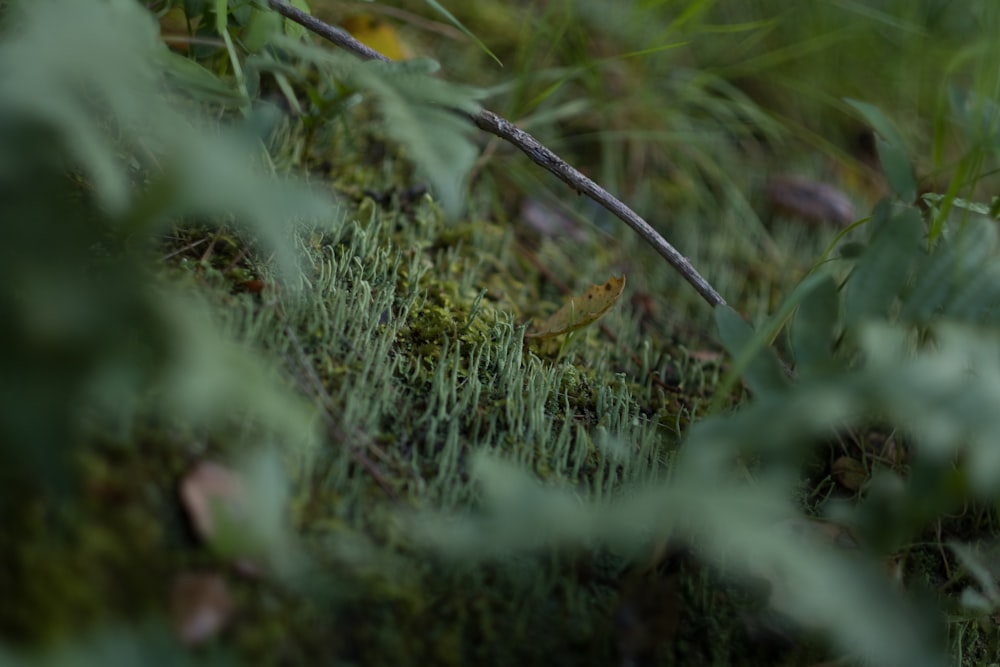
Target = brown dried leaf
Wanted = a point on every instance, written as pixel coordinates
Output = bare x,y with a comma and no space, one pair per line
810,200
211,492
849,473
200,606
581,310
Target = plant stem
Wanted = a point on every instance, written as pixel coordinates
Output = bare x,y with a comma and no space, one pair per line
534,149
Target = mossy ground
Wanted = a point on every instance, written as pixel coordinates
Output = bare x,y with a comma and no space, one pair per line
405,335
413,325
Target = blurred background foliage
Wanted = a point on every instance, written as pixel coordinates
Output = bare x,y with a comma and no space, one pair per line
224,251
666,103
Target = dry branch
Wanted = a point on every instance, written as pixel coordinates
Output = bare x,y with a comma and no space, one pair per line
539,154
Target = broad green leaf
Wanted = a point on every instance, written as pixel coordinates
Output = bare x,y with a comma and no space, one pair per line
747,529
260,29
898,170
978,299
891,150
814,328
882,271
764,336
956,260
757,363
420,113
934,284
190,77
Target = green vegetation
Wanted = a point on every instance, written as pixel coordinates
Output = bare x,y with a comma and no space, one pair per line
267,394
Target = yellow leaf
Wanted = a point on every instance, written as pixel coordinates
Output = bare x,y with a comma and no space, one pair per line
377,34
581,310
176,30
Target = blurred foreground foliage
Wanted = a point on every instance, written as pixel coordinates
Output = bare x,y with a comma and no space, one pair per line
115,362
97,160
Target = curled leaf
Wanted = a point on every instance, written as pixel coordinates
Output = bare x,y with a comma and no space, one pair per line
811,201
581,310
849,473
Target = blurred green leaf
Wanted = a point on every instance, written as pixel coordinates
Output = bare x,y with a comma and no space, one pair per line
264,24
982,572
419,110
814,328
740,527
760,365
221,15
439,8
898,170
878,121
148,644
187,76
93,171
958,260
891,150
880,274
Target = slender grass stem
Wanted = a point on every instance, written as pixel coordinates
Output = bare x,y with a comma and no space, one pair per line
535,150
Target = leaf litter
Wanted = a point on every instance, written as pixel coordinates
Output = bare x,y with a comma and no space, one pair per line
581,310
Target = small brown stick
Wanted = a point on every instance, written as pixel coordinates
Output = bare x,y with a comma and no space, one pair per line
535,150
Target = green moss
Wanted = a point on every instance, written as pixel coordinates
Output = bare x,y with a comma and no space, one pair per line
413,327
108,554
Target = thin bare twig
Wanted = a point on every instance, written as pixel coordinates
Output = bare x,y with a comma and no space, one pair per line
534,149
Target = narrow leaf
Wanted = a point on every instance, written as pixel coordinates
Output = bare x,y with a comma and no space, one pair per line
221,15
882,125
465,31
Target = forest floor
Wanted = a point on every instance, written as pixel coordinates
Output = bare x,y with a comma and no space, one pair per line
407,349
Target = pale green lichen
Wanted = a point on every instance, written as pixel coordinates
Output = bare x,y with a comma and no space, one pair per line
414,326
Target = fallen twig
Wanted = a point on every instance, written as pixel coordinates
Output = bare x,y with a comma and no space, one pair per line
539,154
